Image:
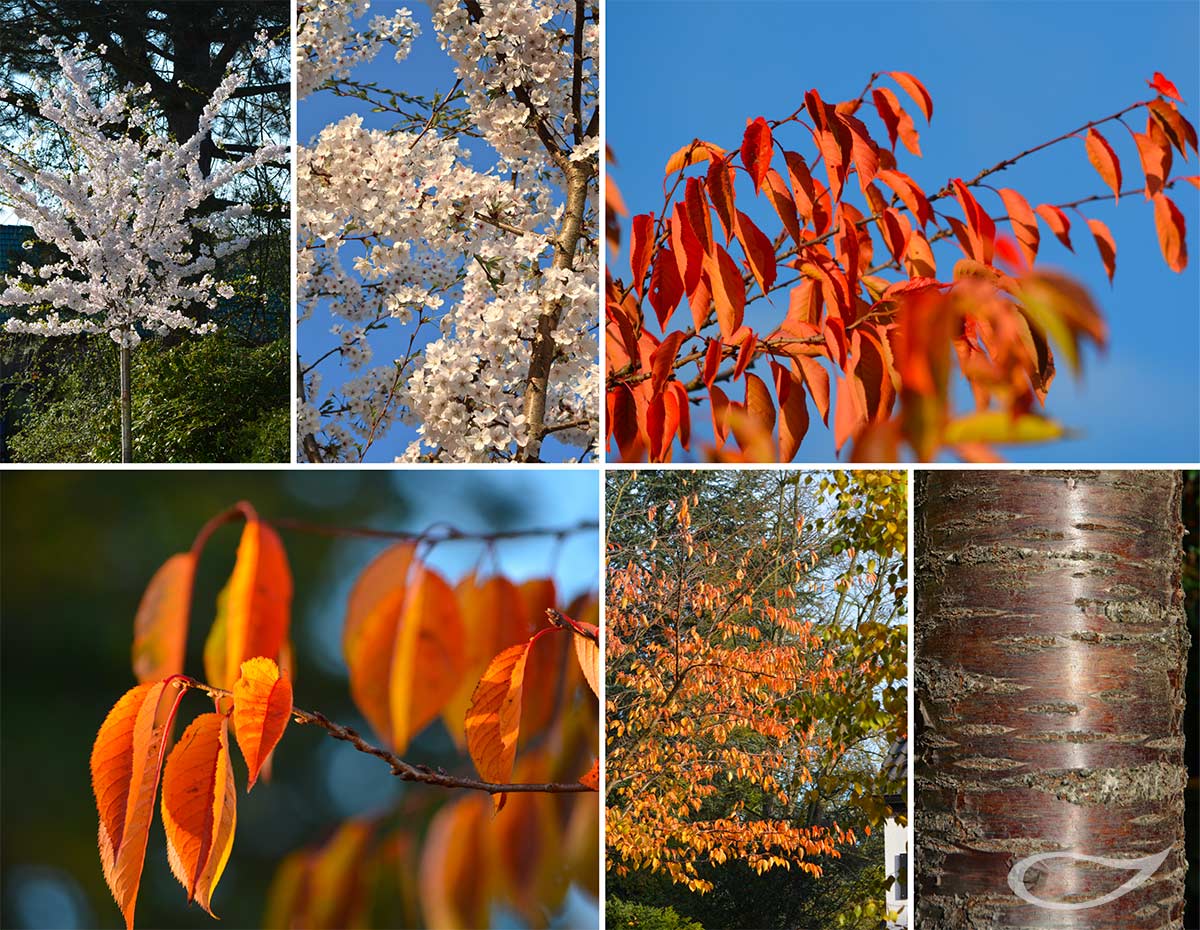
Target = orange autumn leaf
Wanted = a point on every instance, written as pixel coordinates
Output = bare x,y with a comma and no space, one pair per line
126,761
457,874
493,720
255,613
161,624
691,153
591,777
1024,222
1058,222
587,651
728,290
493,617
199,807
403,644
528,840
1105,161
546,663
1106,244
262,708
916,90
1168,220
324,888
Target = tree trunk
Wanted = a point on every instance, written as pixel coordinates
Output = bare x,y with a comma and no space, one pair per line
1051,650
126,429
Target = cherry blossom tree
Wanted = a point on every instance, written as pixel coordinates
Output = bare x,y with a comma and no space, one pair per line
135,225
490,274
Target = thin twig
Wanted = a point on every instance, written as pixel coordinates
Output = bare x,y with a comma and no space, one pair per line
406,771
439,536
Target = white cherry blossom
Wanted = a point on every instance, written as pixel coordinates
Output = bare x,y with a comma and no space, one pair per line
399,229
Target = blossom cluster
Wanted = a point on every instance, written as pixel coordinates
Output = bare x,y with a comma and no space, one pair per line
137,246
400,228
329,45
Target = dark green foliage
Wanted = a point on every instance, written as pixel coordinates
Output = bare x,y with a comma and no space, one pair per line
625,915
214,398
776,899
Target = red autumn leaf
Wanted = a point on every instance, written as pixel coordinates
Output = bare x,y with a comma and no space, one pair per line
897,122
1175,125
1105,161
679,407
785,206
745,356
848,416
664,360
666,286
728,290
756,151
1057,221
199,807
816,378
493,720
760,253
696,204
126,761
983,229
625,428
1024,222
161,624
895,235
907,190
686,248
661,424
1164,87
760,408
591,777
719,406
1154,151
641,247
916,90
1168,220
721,193
712,361
262,708
1107,246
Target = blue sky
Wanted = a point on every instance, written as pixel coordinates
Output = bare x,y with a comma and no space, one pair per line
1003,77
426,70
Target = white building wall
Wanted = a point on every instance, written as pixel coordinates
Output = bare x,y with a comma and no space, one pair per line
895,851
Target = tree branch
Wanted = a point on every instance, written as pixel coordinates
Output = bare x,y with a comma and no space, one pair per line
405,771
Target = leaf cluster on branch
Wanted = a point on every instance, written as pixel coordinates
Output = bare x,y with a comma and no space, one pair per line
872,329
498,663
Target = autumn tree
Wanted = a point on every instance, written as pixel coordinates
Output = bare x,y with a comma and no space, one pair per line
1051,652
755,667
508,670
874,324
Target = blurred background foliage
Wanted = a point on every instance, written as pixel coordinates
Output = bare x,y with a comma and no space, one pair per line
76,551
